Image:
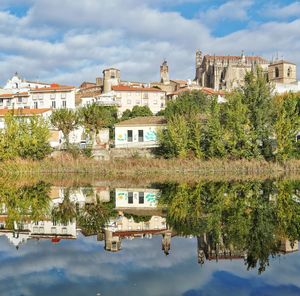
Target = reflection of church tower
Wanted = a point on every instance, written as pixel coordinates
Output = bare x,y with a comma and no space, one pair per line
112,243
166,242
202,248
164,73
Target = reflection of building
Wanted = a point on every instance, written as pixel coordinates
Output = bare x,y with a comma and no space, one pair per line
287,246
136,198
207,249
127,228
139,132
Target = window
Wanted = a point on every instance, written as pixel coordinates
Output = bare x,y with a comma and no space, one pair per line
137,102
276,72
53,104
130,197
35,105
141,136
129,136
128,102
141,197
35,97
1,101
63,95
64,104
20,100
41,97
289,72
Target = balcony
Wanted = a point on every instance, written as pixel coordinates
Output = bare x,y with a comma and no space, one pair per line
108,101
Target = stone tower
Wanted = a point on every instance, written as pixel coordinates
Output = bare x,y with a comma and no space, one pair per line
164,73
282,72
111,77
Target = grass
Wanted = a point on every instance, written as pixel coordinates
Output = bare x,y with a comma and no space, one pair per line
143,169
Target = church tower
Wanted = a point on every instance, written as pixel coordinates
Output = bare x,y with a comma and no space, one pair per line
164,73
282,72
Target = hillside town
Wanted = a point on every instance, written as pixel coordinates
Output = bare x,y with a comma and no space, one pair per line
214,76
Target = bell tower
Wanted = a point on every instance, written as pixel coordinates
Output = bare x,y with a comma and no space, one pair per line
164,73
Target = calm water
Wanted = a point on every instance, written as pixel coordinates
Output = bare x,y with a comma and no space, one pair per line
209,238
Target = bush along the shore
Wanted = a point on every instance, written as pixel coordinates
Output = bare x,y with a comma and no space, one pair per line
251,124
24,138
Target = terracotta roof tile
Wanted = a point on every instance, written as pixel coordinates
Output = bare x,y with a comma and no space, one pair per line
128,88
23,112
53,87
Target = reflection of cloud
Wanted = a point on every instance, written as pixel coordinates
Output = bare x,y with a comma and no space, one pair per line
82,267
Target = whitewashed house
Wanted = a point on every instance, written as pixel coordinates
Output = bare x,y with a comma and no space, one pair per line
139,132
129,198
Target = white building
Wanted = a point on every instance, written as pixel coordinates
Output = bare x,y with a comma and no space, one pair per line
17,84
139,132
131,198
19,93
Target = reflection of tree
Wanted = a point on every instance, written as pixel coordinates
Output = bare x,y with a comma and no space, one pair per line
23,204
65,211
235,217
92,217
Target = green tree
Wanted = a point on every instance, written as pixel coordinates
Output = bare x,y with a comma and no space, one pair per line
137,111
257,95
95,117
238,133
287,125
65,120
214,145
174,139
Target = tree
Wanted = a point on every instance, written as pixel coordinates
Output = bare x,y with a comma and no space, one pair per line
287,125
214,135
136,112
257,95
24,137
174,140
238,133
65,120
94,118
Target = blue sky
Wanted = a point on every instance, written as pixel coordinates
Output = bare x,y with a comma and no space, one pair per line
82,267
69,41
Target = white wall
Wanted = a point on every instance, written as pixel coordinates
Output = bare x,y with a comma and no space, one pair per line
150,198
150,136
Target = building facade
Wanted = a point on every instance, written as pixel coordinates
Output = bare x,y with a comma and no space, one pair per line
139,132
226,72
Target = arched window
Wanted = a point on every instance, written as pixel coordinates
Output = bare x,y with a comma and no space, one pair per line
276,72
289,72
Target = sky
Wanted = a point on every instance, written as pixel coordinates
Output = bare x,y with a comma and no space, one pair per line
68,42
83,267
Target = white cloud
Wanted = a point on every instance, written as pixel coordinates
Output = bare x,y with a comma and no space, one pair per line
282,12
75,42
231,10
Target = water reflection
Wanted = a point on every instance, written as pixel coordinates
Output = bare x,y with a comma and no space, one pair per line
246,221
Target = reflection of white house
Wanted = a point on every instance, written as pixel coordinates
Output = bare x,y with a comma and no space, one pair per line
81,195
129,198
139,132
126,228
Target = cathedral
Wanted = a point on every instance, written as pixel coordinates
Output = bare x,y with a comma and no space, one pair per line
228,72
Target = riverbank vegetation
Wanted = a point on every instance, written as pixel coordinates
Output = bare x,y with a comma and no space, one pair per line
251,124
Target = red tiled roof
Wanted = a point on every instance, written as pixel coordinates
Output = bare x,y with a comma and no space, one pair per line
128,88
53,87
6,96
23,112
10,96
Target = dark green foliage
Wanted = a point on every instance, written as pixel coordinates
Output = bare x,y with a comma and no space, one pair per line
136,112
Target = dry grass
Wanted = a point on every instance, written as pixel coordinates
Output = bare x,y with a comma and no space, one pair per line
66,168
